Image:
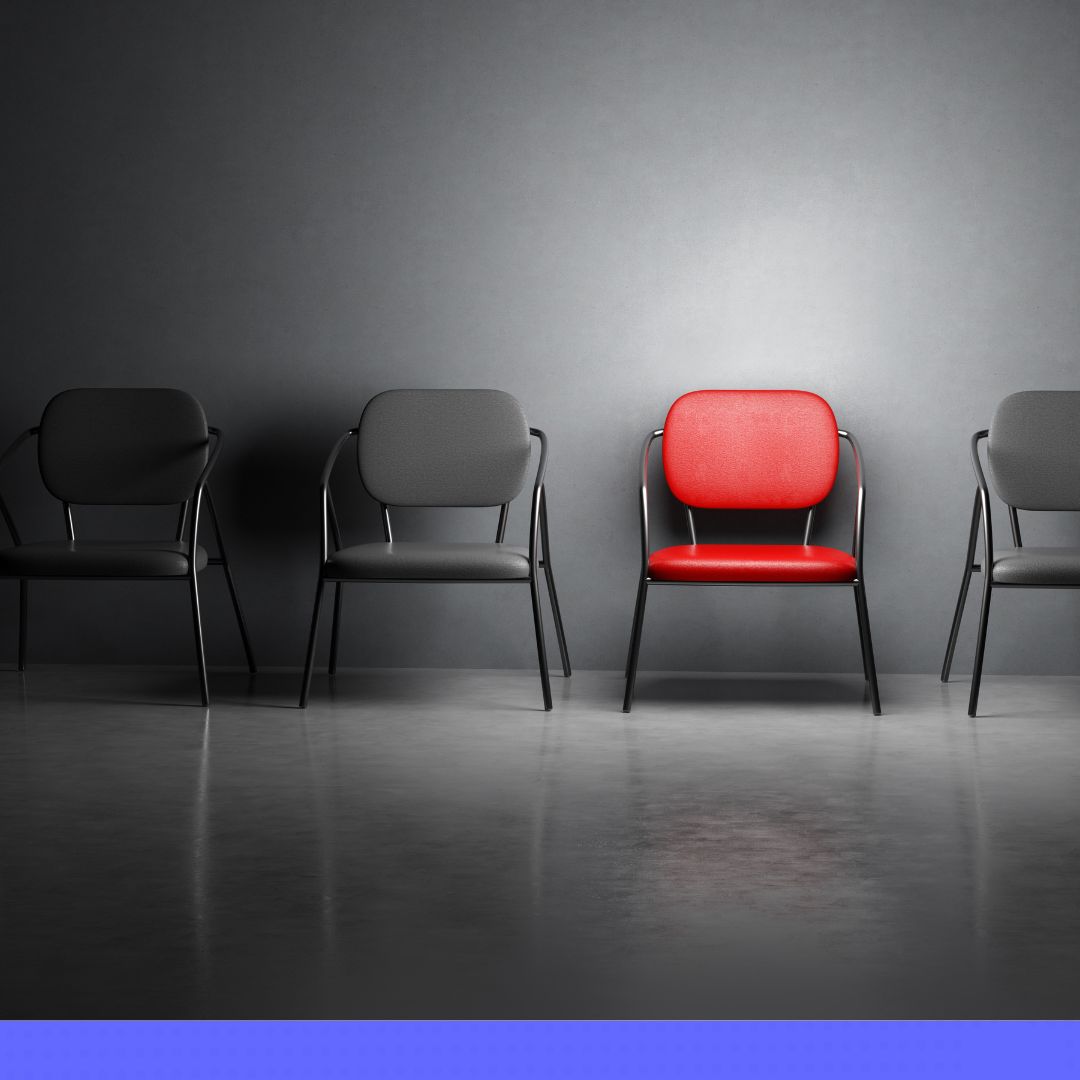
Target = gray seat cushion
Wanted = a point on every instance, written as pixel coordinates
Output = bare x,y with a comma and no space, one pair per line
1037,566
91,559
414,561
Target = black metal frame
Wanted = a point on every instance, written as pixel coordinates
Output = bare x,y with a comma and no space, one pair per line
189,509
981,512
858,584
538,539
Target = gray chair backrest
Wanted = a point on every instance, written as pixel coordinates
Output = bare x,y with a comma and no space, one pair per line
443,447
122,447
1034,450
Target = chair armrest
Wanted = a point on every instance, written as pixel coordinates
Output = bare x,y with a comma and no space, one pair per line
537,499
324,494
984,503
200,486
860,502
658,434
9,521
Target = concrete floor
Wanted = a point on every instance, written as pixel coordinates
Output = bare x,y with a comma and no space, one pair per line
431,844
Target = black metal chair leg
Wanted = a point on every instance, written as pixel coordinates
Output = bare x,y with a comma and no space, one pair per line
560,634
862,639
961,600
980,647
305,685
234,596
868,646
564,654
200,655
635,645
541,649
24,611
334,630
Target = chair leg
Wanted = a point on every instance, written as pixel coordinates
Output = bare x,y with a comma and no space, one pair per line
868,646
334,630
200,655
541,649
24,612
234,596
564,653
980,647
635,645
961,600
560,634
305,685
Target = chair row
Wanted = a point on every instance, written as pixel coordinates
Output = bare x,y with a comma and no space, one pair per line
722,449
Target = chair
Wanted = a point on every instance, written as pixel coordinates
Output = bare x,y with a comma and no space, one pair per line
1033,450
123,447
441,448
751,450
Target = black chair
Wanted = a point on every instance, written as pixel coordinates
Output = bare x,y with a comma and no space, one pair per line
440,448
1033,450
123,447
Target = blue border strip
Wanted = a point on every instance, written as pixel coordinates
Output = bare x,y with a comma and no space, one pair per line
536,1051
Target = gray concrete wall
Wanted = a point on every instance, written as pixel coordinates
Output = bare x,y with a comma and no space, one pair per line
287,207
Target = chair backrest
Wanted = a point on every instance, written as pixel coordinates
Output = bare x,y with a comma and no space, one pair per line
1034,450
443,447
122,447
750,449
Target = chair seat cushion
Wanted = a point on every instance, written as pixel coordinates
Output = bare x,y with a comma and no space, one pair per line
1037,566
751,562
94,558
416,561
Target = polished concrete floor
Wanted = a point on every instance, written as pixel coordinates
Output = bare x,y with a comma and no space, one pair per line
431,844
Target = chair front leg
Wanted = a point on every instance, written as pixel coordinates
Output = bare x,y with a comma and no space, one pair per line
200,655
305,685
961,600
635,643
869,667
541,649
24,612
980,646
332,670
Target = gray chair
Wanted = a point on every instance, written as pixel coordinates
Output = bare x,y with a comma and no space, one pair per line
440,448
123,447
1033,451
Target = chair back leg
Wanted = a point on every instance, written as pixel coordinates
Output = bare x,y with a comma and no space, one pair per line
961,600
200,655
234,596
24,611
869,667
541,649
313,636
549,577
635,644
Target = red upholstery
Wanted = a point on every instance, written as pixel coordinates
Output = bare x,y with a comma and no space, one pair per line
751,562
750,449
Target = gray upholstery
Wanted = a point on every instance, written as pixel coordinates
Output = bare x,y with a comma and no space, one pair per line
1034,450
429,562
1037,566
122,446
443,447
98,559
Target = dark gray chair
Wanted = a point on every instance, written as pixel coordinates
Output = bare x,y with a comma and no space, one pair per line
441,448
1033,451
123,447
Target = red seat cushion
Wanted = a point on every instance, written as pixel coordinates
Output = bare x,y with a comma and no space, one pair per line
751,562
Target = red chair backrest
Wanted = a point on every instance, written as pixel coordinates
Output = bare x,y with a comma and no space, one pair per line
750,449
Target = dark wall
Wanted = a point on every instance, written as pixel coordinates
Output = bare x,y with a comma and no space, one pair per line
287,207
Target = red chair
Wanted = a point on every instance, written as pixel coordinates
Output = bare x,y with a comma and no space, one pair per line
751,450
